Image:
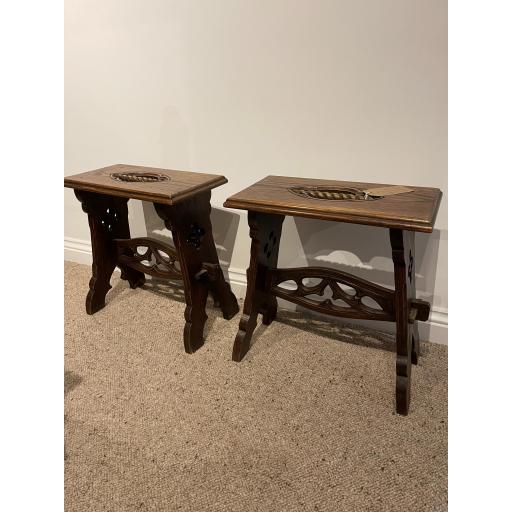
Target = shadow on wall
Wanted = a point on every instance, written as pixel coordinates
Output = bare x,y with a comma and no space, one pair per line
364,251
224,226
361,250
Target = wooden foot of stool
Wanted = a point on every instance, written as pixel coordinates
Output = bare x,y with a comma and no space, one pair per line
108,220
189,222
408,310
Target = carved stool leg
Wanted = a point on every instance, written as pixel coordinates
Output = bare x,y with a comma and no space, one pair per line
411,275
402,244
108,219
189,222
265,232
219,288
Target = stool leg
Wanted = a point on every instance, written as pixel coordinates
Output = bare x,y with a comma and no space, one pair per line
271,243
411,294
108,220
402,245
265,232
219,288
189,222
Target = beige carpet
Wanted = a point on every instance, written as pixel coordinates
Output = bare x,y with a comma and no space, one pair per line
305,423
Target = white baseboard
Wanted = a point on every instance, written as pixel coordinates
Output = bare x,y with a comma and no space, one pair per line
77,250
434,330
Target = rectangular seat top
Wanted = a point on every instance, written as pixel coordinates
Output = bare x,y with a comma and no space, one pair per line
343,201
163,186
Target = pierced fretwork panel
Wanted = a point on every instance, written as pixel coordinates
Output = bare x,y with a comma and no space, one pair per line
149,256
333,292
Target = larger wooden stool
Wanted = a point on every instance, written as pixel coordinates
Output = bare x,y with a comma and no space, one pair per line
182,200
403,210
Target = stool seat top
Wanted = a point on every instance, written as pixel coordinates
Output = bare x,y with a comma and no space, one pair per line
344,201
152,184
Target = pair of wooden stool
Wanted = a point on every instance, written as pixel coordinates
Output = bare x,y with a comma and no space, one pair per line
182,200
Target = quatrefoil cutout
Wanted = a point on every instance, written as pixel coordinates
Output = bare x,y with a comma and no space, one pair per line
109,219
195,235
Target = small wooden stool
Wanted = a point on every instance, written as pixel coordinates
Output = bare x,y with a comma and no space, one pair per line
182,200
402,212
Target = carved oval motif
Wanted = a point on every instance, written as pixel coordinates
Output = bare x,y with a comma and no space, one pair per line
331,193
139,177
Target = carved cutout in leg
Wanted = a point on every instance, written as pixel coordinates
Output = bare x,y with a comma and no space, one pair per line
190,224
402,245
265,232
108,219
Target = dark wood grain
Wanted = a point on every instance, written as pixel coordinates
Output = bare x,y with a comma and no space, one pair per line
414,211
189,222
407,337
180,185
337,293
265,233
353,305
182,200
108,220
157,259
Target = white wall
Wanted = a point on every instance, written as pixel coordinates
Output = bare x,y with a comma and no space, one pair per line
343,89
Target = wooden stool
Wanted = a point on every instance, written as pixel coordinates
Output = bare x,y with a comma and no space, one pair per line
182,200
402,210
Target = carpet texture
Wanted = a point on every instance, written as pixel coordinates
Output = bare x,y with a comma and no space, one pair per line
305,423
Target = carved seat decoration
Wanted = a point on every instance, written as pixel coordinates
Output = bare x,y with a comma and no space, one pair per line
138,177
332,193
